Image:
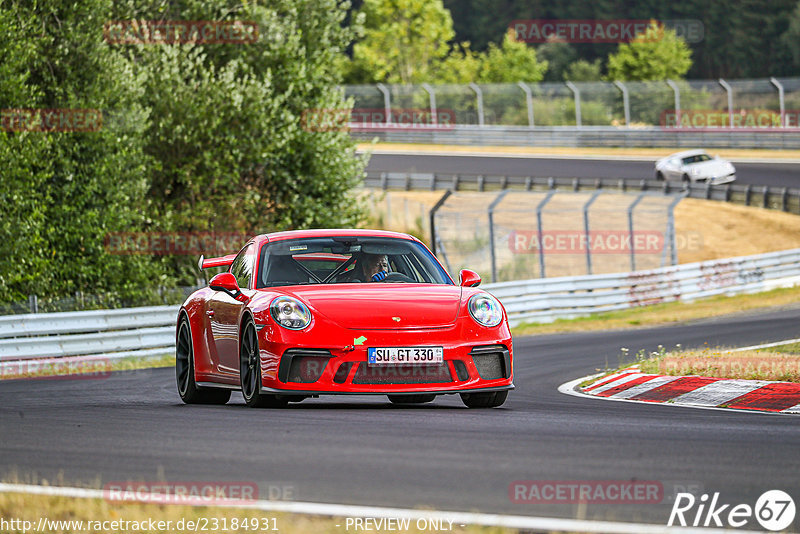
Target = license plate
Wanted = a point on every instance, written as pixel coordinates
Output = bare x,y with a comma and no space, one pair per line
404,355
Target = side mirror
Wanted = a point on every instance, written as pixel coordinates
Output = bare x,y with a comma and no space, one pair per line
225,282
469,278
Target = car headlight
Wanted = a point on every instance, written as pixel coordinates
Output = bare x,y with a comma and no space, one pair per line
485,309
290,313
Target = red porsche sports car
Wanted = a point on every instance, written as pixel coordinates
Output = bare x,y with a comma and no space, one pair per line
305,313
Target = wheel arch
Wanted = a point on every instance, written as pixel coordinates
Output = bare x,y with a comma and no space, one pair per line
246,315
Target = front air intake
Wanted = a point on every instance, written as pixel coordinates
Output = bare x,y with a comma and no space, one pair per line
303,365
492,361
402,374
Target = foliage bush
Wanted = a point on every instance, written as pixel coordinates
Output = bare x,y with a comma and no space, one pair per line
195,137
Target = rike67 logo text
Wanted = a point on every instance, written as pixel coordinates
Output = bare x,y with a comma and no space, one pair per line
774,510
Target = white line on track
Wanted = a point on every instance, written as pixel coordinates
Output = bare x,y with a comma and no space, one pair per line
793,409
766,345
458,518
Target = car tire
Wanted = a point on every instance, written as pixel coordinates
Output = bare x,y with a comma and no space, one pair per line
659,176
484,400
686,179
188,389
250,371
411,399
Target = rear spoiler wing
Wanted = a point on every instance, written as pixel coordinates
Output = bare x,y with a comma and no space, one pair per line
222,261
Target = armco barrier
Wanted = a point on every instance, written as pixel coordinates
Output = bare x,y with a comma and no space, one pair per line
113,333
587,136
544,300
151,331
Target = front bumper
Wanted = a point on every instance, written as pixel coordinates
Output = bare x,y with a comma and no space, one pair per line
483,364
718,180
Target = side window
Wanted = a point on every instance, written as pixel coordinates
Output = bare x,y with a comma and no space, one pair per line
242,266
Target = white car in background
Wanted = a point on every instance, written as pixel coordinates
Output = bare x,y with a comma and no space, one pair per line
695,166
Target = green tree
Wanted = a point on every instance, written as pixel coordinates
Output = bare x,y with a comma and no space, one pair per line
584,71
514,61
68,190
559,56
194,137
791,37
461,66
404,40
657,54
229,131
22,154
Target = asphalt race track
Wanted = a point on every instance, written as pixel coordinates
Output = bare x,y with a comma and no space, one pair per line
362,450
775,174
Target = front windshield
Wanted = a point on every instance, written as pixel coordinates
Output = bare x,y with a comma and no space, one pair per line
337,260
699,158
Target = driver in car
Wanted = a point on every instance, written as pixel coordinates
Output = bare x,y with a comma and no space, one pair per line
374,267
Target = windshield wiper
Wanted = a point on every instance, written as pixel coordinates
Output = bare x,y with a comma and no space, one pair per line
276,283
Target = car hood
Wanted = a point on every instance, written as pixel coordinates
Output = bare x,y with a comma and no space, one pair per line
380,306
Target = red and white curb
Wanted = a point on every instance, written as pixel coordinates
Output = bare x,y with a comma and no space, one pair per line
695,391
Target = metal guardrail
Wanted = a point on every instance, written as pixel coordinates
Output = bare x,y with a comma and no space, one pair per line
586,136
47,324
779,198
112,333
149,331
544,300
670,113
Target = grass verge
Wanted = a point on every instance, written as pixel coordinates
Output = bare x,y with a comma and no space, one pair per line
779,363
130,364
670,312
763,364
97,515
77,368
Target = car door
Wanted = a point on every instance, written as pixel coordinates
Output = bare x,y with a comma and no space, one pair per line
224,312
673,169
